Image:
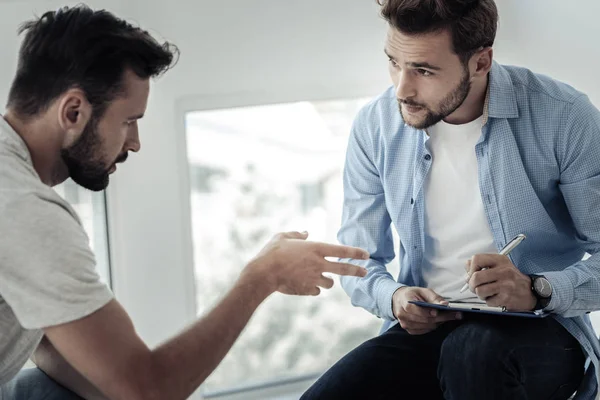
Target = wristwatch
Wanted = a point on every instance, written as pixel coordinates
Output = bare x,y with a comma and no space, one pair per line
542,290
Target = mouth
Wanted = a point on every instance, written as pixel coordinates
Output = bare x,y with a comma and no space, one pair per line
112,169
412,109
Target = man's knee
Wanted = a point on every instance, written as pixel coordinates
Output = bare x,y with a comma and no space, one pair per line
373,370
347,376
473,349
33,384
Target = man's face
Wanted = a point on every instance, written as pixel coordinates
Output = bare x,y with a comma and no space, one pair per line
106,141
430,80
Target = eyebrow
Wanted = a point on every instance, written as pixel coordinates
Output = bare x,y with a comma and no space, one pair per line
423,64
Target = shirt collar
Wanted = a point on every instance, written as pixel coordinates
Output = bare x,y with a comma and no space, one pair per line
500,100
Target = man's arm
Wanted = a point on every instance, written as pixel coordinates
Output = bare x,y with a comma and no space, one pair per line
575,289
53,364
105,349
366,223
495,279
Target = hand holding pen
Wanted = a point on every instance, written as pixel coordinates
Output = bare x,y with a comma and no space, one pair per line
504,252
498,282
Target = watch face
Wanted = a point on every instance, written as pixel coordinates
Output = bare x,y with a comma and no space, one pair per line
542,287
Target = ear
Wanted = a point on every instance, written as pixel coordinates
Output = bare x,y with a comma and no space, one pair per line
481,62
74,113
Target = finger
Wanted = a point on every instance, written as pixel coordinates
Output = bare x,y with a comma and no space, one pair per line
335,250
417,332
503,296
416,319
445,316
488,290
418,314
422,330
293,235
430,296
411,325
314,291
325,282
498,300
344,269
480,261
468,265
484,278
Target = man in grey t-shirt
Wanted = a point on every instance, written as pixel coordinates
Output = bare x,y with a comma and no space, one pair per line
81,85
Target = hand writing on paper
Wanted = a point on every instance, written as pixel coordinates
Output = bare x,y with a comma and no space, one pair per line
496,280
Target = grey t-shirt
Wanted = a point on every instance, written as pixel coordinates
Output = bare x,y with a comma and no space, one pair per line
47,269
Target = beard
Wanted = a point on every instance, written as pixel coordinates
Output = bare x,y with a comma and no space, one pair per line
447,106
84,159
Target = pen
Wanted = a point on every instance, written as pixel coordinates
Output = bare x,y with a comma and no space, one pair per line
504,252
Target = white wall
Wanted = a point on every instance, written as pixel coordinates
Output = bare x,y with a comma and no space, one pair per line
554,37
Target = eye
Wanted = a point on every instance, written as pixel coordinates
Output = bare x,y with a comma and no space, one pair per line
392,62
424,72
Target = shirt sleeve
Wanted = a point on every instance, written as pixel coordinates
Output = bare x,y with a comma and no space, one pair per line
47,269
576,290
367,224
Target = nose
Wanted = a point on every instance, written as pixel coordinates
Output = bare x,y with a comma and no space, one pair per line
405,88
133,139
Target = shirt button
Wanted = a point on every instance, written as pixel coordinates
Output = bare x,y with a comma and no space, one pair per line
427,157
412,201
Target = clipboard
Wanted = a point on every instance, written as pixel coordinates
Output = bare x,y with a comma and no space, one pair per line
480,309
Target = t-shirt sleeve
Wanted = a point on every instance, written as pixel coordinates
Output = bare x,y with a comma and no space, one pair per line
47,269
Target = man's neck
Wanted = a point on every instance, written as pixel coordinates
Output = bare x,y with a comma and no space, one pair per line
44,145
472,107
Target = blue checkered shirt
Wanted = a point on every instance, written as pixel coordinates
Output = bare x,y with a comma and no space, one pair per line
539,174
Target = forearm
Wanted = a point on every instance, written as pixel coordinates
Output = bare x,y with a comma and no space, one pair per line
375,291
55,366
183,363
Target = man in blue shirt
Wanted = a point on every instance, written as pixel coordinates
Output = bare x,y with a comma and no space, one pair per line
461,155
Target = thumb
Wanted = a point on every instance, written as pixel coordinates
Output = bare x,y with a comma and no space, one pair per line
432,297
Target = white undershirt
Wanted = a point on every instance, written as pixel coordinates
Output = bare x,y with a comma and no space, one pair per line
456,227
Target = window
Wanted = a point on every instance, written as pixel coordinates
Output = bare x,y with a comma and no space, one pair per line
256,171
91,208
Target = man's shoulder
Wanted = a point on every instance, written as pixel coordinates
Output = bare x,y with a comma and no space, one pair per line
20,182
540,86
24,195
16,168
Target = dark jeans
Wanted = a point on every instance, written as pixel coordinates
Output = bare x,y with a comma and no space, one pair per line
33,384
480,357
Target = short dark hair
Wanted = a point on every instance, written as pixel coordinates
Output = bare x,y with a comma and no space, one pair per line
472,23
77,47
